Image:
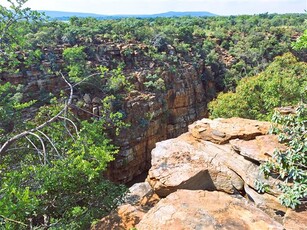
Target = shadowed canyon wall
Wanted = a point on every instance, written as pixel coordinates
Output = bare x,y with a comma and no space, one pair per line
153,115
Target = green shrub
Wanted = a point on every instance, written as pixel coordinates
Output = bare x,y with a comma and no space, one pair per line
75,59
155,83
117,82
282,83
66,186
289,165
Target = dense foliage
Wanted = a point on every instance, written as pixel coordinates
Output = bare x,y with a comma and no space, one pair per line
282,83
233,47
53,164
290,166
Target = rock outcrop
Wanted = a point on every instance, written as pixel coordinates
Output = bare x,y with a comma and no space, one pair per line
186,209
204,158
206,180
140,199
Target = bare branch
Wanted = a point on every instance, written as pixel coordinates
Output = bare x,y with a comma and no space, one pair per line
50,141
14,221
10,141
36,148
43,146
73,124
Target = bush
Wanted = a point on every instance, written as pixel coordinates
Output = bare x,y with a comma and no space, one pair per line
281,84
117,81
291,165
59,184
155,83
75,59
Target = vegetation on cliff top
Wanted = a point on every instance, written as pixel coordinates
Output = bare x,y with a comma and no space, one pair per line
283,83
52,173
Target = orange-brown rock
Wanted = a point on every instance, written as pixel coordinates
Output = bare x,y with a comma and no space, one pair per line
138,202
221,130
192,162
296,219
186,209
125,217
259,149
185,163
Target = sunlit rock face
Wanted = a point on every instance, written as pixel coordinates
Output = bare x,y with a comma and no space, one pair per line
205,179
186,209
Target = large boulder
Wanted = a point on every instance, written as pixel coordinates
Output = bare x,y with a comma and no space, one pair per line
221,130
186,209
189,163
186,163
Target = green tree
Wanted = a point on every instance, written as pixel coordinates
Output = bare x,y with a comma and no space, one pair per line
52,166
281,84
301,42
290,166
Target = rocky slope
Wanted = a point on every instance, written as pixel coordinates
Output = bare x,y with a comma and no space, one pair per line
205,179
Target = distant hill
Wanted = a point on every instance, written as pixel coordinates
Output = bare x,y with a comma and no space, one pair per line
60,15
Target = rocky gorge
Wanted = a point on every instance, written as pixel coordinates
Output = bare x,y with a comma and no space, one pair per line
205,179
90,107
153,115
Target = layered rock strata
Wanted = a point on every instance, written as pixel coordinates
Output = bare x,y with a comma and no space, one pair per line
206,180
156,117
153,115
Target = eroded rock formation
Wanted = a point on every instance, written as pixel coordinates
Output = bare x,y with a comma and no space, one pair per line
156,117
206,180
153,115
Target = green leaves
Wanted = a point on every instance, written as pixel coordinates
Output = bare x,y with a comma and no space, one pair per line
290,165
76,63
281,84
70,189
154,83
301,42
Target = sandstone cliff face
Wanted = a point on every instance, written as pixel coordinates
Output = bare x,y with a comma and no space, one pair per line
206,180
153,116
156,117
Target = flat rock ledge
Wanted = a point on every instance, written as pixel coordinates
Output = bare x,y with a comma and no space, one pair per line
205,179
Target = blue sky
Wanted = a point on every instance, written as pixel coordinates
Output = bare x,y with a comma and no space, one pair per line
221,7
